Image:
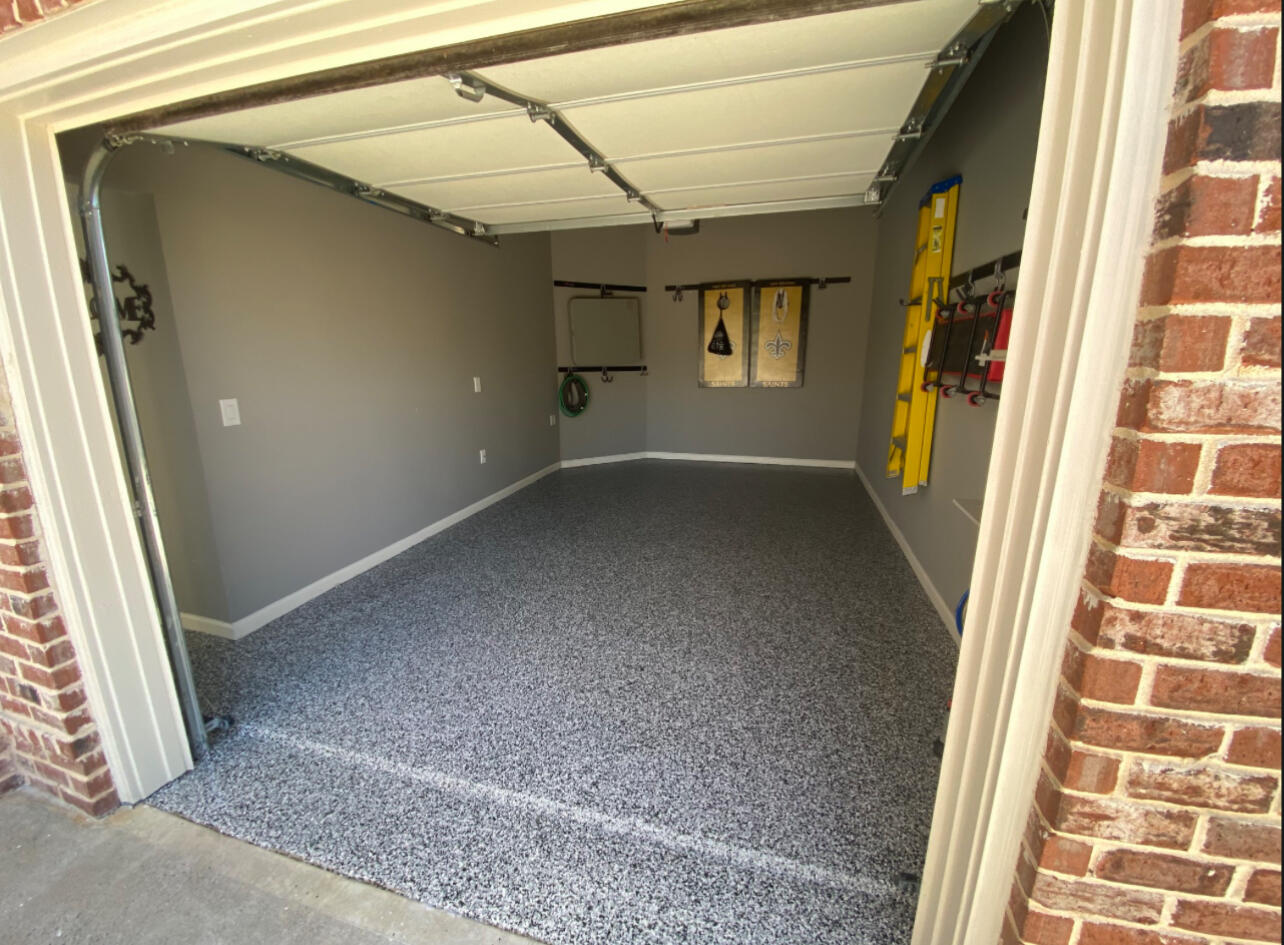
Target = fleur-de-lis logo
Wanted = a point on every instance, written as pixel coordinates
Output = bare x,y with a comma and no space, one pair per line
777,346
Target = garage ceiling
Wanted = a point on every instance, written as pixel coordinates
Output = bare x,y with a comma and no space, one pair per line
796,114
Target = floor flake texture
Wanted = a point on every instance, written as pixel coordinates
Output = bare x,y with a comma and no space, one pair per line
641,703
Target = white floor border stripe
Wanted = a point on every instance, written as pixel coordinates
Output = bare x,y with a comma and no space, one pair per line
942,608
237,629
744,857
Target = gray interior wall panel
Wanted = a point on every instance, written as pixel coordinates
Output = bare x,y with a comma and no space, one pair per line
350,337
164,409
615,421
816,421
989,137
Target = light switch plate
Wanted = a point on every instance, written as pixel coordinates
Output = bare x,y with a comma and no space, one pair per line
476,385
231,412
481,456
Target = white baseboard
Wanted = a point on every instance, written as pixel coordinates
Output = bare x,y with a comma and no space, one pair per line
756,460
215,628
265,615
598,460
942,608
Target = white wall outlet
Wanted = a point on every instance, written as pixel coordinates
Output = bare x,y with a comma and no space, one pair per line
481,457
552,419
476,385
231,412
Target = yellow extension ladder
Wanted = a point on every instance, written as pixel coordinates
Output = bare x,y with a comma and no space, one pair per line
909,453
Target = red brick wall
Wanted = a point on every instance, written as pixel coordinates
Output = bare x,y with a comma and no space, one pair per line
1157,816
15,14
47,737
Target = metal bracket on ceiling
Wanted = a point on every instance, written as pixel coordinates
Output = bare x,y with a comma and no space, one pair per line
465,88
948,71
956,55
316,174
542,111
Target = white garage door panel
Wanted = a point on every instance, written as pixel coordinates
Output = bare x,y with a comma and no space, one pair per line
565,183
553,210
500,144
764,192
803,109
834,156
877,32
383,106
825,103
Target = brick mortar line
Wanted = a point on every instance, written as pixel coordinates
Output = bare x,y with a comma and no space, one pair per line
1153,928
1218,170
1184,556
1261,668
1167,713
1258,621
1216,439
1218,241
40,728
1247,502
65,690
1102,882
1221,98
1232,372
1103,845
1249,309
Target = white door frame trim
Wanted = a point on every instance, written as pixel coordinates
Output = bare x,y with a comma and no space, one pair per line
1102,134
119,56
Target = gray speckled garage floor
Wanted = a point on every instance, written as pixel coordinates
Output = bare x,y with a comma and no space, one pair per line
642,703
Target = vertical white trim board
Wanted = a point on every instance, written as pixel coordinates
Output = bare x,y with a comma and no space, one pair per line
942,608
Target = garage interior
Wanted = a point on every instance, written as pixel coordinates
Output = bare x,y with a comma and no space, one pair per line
669,670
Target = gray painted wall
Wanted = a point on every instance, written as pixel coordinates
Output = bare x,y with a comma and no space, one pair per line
615,421
164,410
350,337
816,421
989,137
667,411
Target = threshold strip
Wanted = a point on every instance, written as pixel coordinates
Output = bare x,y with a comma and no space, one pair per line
744,857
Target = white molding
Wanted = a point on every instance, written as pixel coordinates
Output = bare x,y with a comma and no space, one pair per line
1101,136
599,460
208,625
938,600
239,629
279,608
756,460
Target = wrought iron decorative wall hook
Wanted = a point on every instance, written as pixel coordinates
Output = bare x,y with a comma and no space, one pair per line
133,312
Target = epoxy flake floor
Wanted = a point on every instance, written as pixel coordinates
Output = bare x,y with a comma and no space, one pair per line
642,703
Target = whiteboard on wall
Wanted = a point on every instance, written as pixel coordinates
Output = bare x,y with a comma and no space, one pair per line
605,331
